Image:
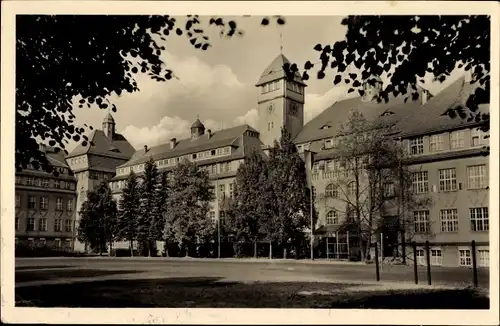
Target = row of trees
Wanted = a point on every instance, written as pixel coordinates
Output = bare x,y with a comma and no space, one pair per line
271,203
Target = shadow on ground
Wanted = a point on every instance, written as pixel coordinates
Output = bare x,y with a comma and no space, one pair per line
23,268
209,292
45,275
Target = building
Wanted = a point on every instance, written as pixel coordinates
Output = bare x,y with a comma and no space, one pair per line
451,158
45,205
446,154
96,161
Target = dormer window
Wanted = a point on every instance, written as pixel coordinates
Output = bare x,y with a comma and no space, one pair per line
325,127
387,113
328,143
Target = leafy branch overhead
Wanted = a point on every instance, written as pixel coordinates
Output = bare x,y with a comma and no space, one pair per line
405,49
63,58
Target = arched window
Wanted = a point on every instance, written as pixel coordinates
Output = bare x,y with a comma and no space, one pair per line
351,188
331,218
331,191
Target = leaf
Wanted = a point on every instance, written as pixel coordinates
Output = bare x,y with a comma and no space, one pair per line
321,74
265,21
318,47
350,90
308,65
337,79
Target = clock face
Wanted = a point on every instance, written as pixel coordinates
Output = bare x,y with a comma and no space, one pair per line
270,108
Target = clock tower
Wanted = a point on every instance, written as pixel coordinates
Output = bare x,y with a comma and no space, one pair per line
280,102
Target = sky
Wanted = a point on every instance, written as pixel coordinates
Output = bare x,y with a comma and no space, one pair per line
218,85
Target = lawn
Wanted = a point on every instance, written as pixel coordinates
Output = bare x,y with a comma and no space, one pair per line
210,292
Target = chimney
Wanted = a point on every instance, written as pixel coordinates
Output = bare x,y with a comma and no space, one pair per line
145,148
173,142
209,133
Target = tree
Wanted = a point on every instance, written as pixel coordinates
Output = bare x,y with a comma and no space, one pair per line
129,211
188,205
406,49
98,224
246,218
100,56
288,181
161,208
370,181
148,209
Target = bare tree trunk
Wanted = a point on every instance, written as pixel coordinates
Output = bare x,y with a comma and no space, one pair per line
166,248
255,249
131,248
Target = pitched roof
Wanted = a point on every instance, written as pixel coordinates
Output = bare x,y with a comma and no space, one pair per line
222,138
328,122
56,159
275,71
118,147
429,118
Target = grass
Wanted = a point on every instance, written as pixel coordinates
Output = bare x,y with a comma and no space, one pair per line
209,292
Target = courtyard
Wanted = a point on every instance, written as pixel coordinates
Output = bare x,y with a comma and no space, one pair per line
240,283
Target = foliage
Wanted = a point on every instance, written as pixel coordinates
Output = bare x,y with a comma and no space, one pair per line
129,210
100,55
148,210
406,49
287,192
246,220
161,207
188,205
98,224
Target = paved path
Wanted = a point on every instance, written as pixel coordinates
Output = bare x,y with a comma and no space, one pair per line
244,270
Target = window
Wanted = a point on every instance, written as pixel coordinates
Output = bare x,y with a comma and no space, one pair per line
331,191
222,191
479,219
351,188
448,179
484,257
225,167
69,208
58,225
457,139
18,222
31,202
314,192
231,190
465,258
420,182
43,242
44,202
331,218
57,185
212,217
212,152
421,221
45,183
436,257
477,137
214,168
18,179
222,217
328,143
67,225
389,190
436,143
57,243
300,148
476,177
194,156
449,220
417,145
30,226
59,204
31,181
18,200
315,167
42,226
421,257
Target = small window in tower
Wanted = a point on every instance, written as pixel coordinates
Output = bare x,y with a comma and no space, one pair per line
212,152
277,85
194,156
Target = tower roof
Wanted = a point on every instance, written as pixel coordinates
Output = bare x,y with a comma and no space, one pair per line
108,119
197,124
275,71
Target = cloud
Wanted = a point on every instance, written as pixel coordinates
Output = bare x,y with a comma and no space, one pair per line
317,103
250,118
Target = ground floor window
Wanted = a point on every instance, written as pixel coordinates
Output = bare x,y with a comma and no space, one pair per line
420,257
436,257
43,242
31,242
57,243
465,257
484,257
